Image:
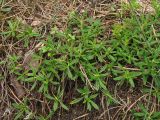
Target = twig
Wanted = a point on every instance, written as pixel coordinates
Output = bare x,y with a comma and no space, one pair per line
81,116
154,32
107,111
135,102
87,79
15,96
132,69
133,105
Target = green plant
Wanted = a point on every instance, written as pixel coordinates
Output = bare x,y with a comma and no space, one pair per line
128,76
57,100
12,29
70,56
79,59
135,48
145,114
19,32
13,62
87,98
22,111
26,34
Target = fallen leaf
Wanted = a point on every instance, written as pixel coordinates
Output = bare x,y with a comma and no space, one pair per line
38,46
34,63
27,57
29,60
36,23
18,88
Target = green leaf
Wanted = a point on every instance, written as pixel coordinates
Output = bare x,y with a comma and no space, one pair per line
100,58
49,96
135,74
93,96
119,78
89,106
94,105
6,9
76,100
156,115
102,85
34,85
131,82
64,106
55,106
112,58
103,68
69,74
41,88
1,1
19,115
108,95
2,62
31,79
139,114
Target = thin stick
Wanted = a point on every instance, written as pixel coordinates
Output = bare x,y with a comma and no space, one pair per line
107,111
87,79
81,116
132,69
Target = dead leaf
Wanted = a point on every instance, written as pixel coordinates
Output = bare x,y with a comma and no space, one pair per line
27,57
18,88
36,23
29,61
34,63
38,46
